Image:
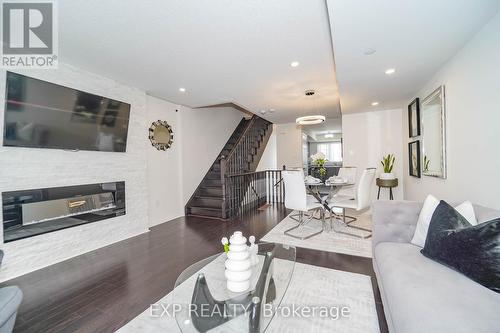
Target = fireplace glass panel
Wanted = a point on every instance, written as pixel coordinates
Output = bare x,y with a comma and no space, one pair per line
33,212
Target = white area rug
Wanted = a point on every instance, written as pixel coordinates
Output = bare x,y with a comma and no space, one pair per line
310,285
326,241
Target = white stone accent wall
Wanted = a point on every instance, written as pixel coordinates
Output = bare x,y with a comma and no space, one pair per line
28,168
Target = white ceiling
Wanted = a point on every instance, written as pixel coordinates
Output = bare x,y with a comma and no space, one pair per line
416,37
219,50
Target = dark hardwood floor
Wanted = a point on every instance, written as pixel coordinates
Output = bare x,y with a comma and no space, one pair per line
102,290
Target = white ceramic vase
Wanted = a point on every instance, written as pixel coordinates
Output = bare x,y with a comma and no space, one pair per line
387,175
238,265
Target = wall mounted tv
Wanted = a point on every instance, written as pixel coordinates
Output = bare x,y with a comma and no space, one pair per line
40,114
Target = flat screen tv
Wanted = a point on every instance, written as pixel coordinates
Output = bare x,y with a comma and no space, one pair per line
39,114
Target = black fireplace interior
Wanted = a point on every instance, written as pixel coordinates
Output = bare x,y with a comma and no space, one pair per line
33,212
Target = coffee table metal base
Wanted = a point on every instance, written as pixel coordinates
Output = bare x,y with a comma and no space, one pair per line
251,302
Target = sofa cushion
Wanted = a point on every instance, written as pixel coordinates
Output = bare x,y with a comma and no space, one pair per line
471,250
424,218
421,295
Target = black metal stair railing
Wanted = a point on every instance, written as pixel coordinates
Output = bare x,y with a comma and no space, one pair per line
247,192
243,159
240,158
220,192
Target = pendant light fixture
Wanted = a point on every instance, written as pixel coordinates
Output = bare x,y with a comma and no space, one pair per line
310,120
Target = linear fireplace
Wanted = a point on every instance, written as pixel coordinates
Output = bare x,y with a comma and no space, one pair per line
29,213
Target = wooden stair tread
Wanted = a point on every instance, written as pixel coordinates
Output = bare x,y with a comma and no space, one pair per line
206,217
211,186
210,197
206,208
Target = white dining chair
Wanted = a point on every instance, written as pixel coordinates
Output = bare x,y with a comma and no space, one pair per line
348,173
296,198
361,201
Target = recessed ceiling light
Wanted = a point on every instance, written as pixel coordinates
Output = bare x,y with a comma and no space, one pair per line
390,71
294,63
310,120
272,110
328,136
374,103
182,89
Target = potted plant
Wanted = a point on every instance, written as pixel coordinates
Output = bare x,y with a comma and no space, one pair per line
320,159
426,163
388,164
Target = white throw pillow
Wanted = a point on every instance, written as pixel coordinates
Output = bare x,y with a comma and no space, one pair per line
424,218
467,210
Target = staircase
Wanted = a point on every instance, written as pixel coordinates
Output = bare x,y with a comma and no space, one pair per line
241,154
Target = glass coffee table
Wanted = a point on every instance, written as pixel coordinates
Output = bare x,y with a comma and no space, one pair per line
204,304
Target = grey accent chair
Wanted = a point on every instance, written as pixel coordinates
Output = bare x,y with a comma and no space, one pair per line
419,294
10,299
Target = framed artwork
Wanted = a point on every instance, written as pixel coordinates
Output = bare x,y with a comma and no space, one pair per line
414,118
414,158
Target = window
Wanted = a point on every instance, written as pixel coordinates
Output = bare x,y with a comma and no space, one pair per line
332,150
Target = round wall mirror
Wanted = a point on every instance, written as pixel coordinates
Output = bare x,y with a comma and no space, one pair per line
161,135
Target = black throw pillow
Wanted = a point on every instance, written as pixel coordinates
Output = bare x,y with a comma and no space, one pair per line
471,250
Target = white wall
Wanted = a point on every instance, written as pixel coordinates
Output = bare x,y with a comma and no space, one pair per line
164,167
269,159
25,168
367,137
472,86
204,132
199,136
289,145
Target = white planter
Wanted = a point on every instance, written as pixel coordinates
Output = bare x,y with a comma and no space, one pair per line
387,176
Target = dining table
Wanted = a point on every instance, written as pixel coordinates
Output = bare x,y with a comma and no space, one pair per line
313,188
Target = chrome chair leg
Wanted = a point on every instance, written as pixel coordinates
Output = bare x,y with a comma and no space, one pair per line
304,222
344,216
347,224
299,215
351,219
